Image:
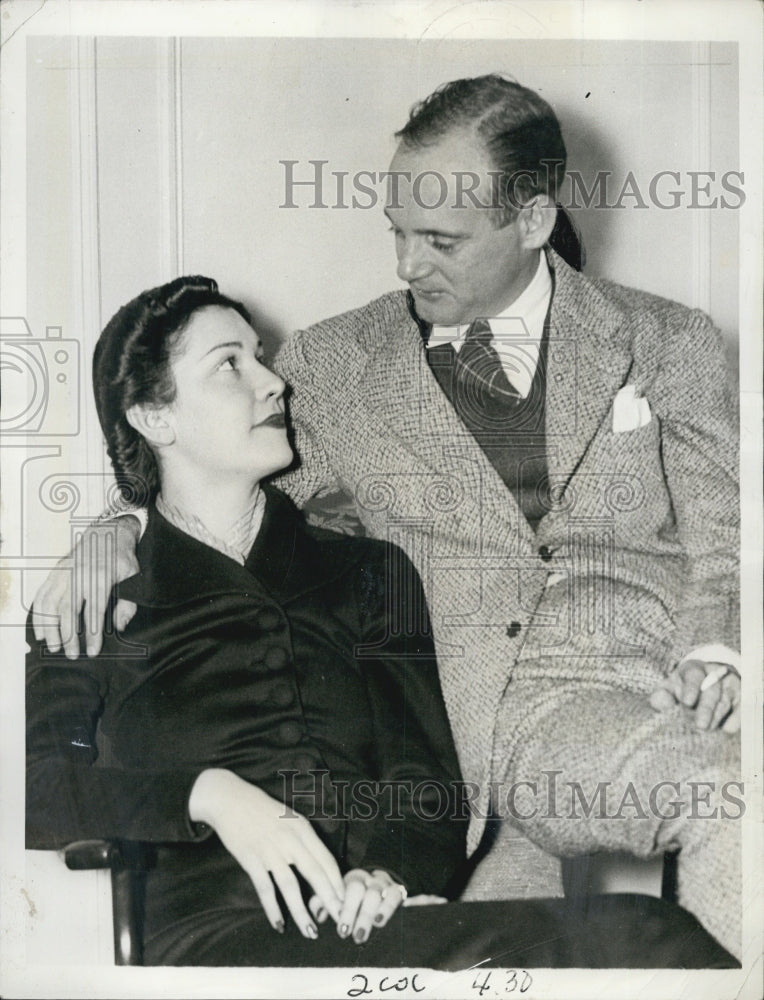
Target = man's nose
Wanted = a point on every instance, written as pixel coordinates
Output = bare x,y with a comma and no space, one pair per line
412,261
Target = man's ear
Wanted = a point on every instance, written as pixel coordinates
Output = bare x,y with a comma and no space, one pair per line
151,422
536,221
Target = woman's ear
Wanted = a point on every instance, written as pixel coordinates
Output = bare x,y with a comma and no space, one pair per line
536,221
151,422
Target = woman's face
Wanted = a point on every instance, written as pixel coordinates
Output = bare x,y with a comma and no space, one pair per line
227,417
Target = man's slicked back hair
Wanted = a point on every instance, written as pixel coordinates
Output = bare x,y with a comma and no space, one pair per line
518,129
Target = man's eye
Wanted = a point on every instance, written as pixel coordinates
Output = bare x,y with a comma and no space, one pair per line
441,246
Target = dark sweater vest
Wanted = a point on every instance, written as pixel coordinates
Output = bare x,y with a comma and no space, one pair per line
511,433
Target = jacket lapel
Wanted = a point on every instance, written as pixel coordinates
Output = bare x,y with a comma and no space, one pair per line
589,360
403,394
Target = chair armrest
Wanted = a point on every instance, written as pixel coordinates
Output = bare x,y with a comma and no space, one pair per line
127,860
115,854
84,854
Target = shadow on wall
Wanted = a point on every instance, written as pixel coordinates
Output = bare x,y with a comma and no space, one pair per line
271,332
589,153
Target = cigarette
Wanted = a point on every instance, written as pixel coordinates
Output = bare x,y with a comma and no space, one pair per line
714,677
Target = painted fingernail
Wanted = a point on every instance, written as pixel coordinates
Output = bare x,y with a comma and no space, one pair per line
343,930
360,935
279,925
311,930
378,919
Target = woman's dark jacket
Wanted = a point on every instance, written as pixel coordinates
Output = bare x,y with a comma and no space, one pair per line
309,671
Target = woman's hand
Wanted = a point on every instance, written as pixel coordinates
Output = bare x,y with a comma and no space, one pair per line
711,689
87,576
267,837
371,898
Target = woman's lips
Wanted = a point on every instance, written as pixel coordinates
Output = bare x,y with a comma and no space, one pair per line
274,420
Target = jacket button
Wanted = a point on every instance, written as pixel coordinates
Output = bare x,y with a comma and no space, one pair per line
546,553
275,658
513,629
281,694
305,762
290,733
268,619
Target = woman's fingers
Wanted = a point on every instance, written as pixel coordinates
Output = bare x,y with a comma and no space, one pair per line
392,898
324,858
287,883
319,911
355,890
311,869
261,880
367,912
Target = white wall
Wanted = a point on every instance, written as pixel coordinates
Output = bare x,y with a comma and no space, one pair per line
150,157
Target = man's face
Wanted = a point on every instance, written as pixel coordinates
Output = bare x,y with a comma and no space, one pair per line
458,265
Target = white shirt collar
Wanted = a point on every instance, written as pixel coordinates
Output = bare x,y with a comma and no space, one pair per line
517,330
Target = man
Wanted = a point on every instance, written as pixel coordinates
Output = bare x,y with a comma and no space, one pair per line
564,479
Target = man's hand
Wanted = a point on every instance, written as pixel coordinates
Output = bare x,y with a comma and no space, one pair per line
87,577
711,689
268,839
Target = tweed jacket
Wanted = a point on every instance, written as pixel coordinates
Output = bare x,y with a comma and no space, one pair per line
635,562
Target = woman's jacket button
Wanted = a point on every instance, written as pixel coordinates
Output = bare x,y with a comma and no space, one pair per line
268,619
276,657
281,694
290,733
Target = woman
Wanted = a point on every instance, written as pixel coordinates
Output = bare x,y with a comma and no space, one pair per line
284,750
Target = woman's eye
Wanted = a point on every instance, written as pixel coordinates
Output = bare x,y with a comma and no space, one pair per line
229,365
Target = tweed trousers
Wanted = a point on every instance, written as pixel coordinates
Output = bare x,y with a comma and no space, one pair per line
591,768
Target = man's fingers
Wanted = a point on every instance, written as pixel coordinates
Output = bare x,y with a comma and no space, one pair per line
96,573
707,704
46,629
693,674
124,613
662,699
46,607
68,626
728,704
732,722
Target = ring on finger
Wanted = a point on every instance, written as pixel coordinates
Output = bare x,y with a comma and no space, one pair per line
401,888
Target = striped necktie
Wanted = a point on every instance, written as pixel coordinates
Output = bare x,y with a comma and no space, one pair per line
479,368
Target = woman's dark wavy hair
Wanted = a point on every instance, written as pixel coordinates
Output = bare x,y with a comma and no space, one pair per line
521,133
131,364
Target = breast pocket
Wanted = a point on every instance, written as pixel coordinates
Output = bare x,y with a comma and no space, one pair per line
621,477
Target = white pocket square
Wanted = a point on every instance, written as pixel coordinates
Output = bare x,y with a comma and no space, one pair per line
629,410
